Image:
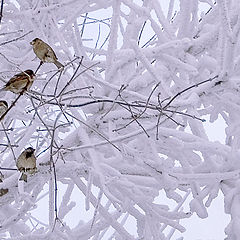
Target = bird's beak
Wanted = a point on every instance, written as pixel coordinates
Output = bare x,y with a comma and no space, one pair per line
31,43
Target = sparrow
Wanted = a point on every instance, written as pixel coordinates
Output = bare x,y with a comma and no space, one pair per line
3,107
26,163
44,52
20,82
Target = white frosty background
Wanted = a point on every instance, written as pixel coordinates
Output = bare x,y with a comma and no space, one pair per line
106,130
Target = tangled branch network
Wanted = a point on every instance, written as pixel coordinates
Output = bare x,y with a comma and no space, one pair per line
103,108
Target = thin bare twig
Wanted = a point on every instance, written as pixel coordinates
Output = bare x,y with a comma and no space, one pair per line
71,79
159,116
40,64
15,39
83,24
1,11
13,103
139,115
8,169
54,169
141,31
98,38
9,142
185,114
133,115
121,103
40,118
122,88
96,208
56,72
7,145
58,80
94,130
186,89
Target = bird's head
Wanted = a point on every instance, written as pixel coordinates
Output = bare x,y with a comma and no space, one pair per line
30,73
34,41
29,152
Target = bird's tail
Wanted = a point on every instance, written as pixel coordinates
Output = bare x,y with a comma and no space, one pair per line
58,64
23,177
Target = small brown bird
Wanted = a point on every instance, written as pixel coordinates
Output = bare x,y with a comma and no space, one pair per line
3,107
44,52
26,163
20,82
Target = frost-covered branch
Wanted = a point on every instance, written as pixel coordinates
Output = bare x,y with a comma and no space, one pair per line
124,122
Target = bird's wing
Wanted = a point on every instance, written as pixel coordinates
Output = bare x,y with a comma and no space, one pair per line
50,53
15,80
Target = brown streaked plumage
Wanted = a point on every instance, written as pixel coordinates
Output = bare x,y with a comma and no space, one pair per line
20,82
26,163
44,52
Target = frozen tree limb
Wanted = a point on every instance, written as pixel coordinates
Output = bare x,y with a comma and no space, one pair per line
124,122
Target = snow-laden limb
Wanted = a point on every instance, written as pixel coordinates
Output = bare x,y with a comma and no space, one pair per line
123,123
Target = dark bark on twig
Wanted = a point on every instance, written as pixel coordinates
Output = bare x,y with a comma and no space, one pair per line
186,89
40,64
15,39
13,103
94,130
10,169
1,11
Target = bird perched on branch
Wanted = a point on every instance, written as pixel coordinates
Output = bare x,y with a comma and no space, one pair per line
20,82
3,107
26,163
44,52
